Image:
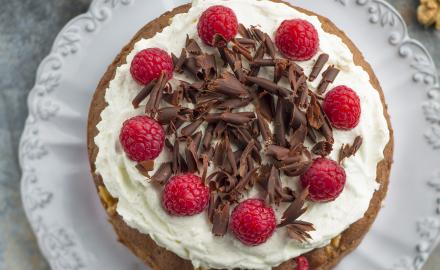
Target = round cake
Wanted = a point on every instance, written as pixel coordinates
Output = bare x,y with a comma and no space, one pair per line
240,134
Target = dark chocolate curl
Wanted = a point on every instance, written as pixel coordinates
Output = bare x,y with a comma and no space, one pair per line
279,128
191,128
220,219
319,65
269,86
143,94
162,174
228,85
328,77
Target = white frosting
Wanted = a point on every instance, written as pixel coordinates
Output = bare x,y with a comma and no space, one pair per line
190,237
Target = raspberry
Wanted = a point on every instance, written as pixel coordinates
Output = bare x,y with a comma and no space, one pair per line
149,63
325,179
342,106
297,39
217,20
253,222
185,195
302,263
142,138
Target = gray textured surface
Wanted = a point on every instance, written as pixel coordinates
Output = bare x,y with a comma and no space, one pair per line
27,30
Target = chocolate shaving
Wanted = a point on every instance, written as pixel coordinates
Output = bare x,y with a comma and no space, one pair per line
314,114
145,166
259,35
192,46
277,152
205,165
328,77
208,66
243,169
280,66
162,175
246,42
176,161
238,48
179,61
230,157
269,86
263,127
220,219
156,94
296,80
244,32
170,114
269,45
259,54
319,65
191,155
143,94
197,139
279,127
193,68
234,103
219,41
239,118
219,153
266,105
295,209
322,148
350,150
191,128
222,182
326,130
228,85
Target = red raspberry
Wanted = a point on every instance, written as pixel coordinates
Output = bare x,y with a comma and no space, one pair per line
185,195
142,138
297,39
149,63
218,20
253,222
302,263
343,108
325,179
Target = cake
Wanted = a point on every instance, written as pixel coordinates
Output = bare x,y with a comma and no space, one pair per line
240,134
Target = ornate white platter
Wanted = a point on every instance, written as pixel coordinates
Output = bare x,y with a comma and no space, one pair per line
57,190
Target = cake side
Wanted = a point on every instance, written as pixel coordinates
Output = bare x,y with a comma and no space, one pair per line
158,258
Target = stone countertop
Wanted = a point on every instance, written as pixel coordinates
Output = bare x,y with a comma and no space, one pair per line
27,30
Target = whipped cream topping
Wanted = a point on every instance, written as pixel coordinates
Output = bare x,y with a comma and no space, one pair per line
139,202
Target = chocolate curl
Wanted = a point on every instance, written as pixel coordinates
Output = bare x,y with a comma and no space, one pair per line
222,181
258,34
197,139
266,105
264,128
179,61
228,85
207,138
302,99
314,114
239,118
162,175
193,68
319,65
234,63
243,169
269,86
280,66
205,165
176,161
279,128
295,209
219,129
244,32
156,94
208,66
277,152
192,46
192,159
328,77
296,79
326,130
220,219
171,114
145,167
247,42
191,128
242,51
219,153
259,54
231,157
274,177
350,150
322,148
270,46
235,103
143,94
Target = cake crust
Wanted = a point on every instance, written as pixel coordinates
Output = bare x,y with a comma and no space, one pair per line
159,258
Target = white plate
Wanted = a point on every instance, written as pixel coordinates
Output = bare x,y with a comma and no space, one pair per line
57,190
